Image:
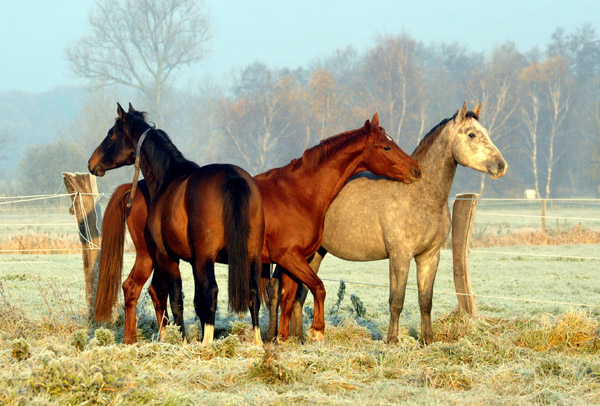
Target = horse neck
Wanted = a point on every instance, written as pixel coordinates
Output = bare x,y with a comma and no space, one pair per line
158,158
439,167
332,173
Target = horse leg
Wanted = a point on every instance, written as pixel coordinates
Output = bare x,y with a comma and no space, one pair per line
296,324
427,265
172,275
299,269
205,297
159,294
399,266
273,300
255,299
132,288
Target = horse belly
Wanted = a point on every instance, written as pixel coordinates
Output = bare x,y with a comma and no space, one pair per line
174,226
352,232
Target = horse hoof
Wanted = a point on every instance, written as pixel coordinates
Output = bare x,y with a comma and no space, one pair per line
316,336
129,340
392,340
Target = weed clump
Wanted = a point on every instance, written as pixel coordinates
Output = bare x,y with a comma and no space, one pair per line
78,339
269,369
20,349
104,337
172,335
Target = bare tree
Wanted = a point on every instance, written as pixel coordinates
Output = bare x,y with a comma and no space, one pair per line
261,122
495,86
531,117
559,99
141,43
395,85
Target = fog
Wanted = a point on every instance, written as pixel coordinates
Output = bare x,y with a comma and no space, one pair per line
264,87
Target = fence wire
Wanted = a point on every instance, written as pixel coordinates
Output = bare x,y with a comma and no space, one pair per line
18,205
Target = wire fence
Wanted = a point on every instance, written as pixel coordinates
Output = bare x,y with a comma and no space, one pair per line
49,215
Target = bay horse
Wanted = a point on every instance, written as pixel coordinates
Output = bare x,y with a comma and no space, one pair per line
296,197
373,218
198,214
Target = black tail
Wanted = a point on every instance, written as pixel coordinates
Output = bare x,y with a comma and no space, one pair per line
237,232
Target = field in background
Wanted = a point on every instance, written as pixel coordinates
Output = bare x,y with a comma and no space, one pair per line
536,342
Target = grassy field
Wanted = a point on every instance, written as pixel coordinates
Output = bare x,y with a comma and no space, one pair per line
535,342
519,350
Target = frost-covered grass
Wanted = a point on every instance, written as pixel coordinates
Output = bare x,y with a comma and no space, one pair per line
521,352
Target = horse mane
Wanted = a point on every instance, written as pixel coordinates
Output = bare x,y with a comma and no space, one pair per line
432,135
312,158
161,151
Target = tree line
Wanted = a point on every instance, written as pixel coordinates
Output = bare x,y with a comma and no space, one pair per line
541,107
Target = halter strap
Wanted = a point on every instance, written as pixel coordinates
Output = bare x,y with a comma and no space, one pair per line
136,174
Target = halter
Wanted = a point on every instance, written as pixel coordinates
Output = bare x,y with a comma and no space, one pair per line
137,170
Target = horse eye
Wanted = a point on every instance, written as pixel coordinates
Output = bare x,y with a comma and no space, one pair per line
387,148
472,135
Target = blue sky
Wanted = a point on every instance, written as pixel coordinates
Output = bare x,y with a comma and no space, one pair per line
286,33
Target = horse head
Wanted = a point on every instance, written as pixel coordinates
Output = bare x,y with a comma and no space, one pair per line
384,157
118,148
471,145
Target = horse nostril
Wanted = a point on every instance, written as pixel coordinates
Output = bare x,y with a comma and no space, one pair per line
416,172
501,167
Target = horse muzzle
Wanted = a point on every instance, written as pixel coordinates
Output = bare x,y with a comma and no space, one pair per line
498,170
96,170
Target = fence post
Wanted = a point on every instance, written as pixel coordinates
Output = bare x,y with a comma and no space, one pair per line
88,214
463,213
544,215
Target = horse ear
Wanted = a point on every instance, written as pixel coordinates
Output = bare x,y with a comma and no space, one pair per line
375,119
120,112
477,110
131,109
462,114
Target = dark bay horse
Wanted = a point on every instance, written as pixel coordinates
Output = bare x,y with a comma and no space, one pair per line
198,214
296,197
368,219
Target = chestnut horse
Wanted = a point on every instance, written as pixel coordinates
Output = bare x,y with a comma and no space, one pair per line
111,260
367,229
296,197
198,214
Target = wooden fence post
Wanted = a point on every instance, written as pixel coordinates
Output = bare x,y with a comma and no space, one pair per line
463,213
543,215
84,191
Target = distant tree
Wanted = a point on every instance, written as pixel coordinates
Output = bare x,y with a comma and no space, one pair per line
559,98
141,44
6,143
40,169
495,84
394,86
261,122
548,99
530,108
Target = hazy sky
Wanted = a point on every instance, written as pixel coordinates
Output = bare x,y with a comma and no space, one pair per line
287,33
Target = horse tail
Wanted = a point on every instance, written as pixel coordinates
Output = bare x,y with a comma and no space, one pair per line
111,253
236,219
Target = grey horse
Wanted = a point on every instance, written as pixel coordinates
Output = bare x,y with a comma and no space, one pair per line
375,218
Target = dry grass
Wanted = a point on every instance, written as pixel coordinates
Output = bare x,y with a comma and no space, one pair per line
42,243
535,360
556,236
